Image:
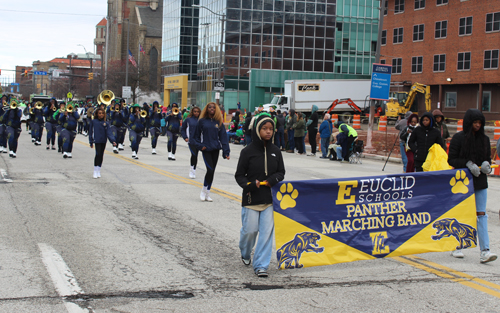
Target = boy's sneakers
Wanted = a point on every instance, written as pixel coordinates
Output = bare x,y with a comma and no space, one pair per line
311,154
245,261
261,273
487,256
457,254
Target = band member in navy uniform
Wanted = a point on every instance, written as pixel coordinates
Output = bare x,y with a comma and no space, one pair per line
136,127
4,105
69,120
116,122
50,122
173,124
57,115
37,123
12,118
99,130
187,132
121,134
155,117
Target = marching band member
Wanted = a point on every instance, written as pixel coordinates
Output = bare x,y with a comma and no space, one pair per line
37,123
173,124
50,122
210,137
155,124
146,108
12,119
259,168
123,132
59,127
99,130
68,119
187,132
117,121
3,128
136,127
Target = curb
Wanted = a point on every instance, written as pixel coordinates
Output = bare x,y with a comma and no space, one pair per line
382,158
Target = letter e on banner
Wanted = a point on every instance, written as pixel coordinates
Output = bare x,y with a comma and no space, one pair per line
344,196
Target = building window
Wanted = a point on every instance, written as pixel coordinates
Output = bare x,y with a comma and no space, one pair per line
256,59
399,6
416,64
279,53
386,6
382,61
493,22
419,4
398,35
245,62
263,56
397,66
450,100
418,32
486,105
491,59
441,28
465,26
230,61
463,61
441,2
384,37
439,62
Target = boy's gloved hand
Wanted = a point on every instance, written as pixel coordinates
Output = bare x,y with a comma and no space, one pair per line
486,167
473,168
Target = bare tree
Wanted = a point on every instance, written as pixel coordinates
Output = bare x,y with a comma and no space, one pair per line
137,79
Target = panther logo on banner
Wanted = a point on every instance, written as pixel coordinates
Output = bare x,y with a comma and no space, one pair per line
373,217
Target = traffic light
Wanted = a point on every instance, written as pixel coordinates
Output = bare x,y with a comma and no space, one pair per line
91,76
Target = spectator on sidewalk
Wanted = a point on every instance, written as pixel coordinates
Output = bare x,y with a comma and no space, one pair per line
401,125
441,126
312,129
405,136
325,131
290,121
280,131
422,138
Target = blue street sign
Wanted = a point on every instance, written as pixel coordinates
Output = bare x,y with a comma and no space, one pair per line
39,73
381,82
14,84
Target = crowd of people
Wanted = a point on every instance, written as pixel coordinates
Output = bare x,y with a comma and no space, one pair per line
260,166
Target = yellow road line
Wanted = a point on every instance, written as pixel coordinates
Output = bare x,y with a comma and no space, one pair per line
417,262
445,272
226,194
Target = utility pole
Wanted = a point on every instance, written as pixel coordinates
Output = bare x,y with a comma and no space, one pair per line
126,58
91,70
107,49
71,72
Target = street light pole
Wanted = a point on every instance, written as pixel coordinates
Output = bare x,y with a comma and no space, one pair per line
91,69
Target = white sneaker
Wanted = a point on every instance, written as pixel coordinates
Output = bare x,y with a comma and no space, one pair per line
65,155
487,256
38,143
115,150
120,147
98,172
134,155
192,173
311,154
170,155
95,172
1,149
457,254
69,155
173,157
153,151
32,139
207,196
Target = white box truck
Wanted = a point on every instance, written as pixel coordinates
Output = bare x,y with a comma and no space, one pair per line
300,95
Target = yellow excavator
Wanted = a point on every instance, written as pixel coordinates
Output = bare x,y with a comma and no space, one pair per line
401,102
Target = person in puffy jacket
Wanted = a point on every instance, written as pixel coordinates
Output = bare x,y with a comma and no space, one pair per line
260,167
299,132
69,123
210,137
325,131
404,135
187,132
471,149
173,124
99,130
422,138
441,126
312,129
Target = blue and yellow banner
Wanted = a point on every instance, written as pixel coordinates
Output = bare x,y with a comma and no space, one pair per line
330,221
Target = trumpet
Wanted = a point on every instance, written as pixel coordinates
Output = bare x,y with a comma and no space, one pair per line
54,108
175,111
107,96
38,105
5,103
70,108
144,113
13,105
158,111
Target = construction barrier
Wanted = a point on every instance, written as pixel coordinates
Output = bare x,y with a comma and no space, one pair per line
382,123
496,135
460,125
356,123
335,118
496,170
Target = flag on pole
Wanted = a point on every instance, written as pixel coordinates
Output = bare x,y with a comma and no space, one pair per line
141,49
131,58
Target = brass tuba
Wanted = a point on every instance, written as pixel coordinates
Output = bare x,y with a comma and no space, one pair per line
107,96
99,101
70,108
38,105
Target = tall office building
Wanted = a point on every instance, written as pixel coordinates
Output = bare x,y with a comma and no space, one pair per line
325,38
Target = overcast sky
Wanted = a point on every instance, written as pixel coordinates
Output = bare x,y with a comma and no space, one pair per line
42,30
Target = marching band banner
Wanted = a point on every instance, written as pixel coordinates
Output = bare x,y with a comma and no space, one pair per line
330,221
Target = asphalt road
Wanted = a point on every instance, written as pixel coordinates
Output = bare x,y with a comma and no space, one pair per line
140,240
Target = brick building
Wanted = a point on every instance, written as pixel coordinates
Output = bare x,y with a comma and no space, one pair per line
451,45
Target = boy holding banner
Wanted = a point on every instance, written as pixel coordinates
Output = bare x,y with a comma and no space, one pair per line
471,148
259,168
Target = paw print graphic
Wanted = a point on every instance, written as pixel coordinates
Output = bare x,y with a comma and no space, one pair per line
459,182
287,196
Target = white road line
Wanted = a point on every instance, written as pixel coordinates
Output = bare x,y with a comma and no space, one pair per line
5,176
63,279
